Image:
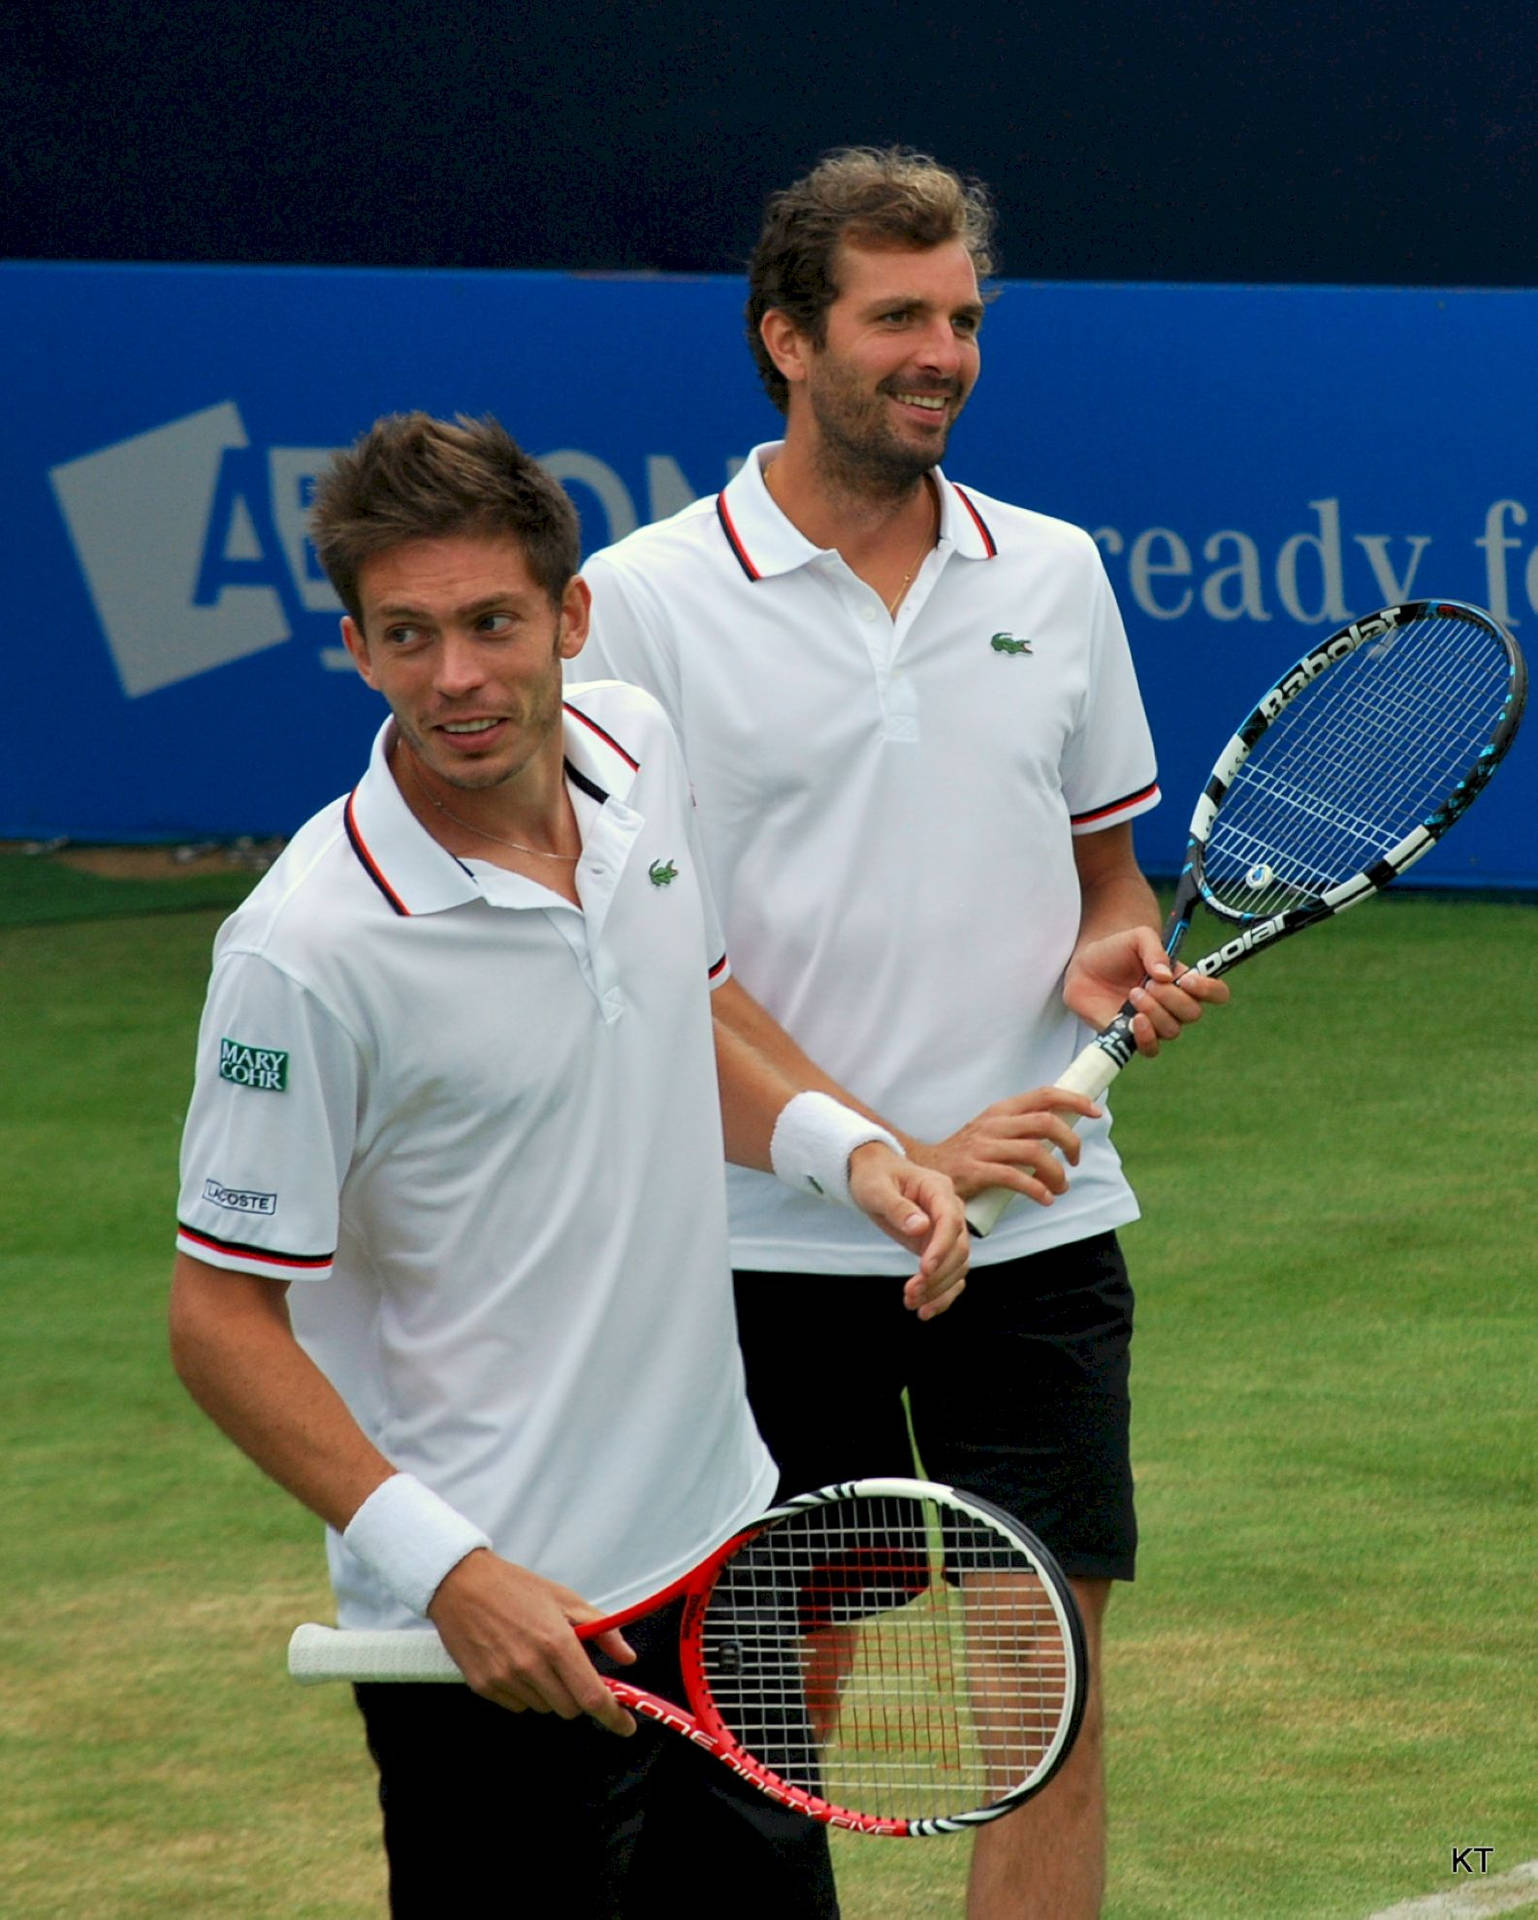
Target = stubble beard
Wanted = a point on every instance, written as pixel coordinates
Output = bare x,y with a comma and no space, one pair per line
859,453
537,721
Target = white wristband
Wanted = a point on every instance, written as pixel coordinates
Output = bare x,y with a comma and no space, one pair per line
812,1141
409,1539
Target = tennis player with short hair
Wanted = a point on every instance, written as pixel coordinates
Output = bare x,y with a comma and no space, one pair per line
914,733
452,1260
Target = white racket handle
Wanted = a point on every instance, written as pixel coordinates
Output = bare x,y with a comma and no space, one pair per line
1090,1074
378,1653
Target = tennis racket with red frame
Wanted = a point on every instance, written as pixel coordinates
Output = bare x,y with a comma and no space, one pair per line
1350,768
888,1656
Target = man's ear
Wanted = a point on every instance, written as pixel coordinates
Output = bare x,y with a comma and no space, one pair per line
576,611
357,646
786,347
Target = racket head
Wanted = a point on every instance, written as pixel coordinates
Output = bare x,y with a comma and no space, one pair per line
1353,766
892,1655
1342,776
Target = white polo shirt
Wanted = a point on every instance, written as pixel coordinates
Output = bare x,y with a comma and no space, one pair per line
888,812
481,1127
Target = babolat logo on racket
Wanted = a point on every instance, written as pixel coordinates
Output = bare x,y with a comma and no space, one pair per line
1007,643
264,1068
239,1199
1335,648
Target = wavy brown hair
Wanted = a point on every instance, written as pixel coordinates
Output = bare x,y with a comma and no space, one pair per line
871,196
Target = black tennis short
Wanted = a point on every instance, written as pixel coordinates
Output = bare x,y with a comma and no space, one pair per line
1018,1393
558,1816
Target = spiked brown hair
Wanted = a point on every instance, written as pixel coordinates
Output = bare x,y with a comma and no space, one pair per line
412,477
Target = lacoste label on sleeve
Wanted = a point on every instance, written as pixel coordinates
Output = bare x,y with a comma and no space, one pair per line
264,1068
239,1199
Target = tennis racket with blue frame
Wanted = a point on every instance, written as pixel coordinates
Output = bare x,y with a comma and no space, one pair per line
1342,776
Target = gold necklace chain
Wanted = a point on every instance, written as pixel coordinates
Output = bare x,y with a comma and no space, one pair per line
539,853
918,559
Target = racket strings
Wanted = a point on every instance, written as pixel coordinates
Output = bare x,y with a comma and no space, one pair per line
1365,754
907,1662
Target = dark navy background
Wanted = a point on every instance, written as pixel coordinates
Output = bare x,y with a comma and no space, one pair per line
1344,141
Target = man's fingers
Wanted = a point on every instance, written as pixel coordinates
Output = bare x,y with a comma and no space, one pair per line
1202,986
1163,1021
567,1685
513,1636
1061,1133
926,1303
1042,1151
616,1646
603,1708
1050,1100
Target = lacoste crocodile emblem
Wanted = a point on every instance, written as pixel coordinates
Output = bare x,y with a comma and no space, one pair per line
662,873
1007,643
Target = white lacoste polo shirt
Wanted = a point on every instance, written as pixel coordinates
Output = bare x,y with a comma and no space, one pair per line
888,811
482,1125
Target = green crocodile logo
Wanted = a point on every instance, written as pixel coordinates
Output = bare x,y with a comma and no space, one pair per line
1007,643
662,873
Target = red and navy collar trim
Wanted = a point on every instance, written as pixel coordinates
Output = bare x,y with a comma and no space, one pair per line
734,539
745,560
607,738
590,787
367,861
990,545
574,773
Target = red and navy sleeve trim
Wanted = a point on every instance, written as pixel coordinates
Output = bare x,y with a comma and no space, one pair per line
607,738
718,969
990,545
297,1262
1150,792
367,861
734,539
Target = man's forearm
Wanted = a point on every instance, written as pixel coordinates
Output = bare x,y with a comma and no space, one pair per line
235,1351
738,1015
1112,905
1113,893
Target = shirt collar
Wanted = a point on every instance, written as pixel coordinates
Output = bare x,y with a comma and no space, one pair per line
766,543
593,756
414,873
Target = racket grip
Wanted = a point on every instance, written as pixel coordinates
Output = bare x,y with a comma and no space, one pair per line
318,1653
1090,1074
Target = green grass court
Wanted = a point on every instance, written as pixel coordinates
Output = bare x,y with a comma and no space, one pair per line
1323,1680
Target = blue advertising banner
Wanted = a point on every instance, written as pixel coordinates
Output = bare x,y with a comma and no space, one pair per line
1256,464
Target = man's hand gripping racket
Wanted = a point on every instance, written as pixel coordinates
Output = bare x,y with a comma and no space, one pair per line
1349,769
887,1656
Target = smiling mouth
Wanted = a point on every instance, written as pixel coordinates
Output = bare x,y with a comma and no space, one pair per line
463,729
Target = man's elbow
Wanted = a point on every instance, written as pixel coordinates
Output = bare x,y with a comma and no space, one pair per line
213,1315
